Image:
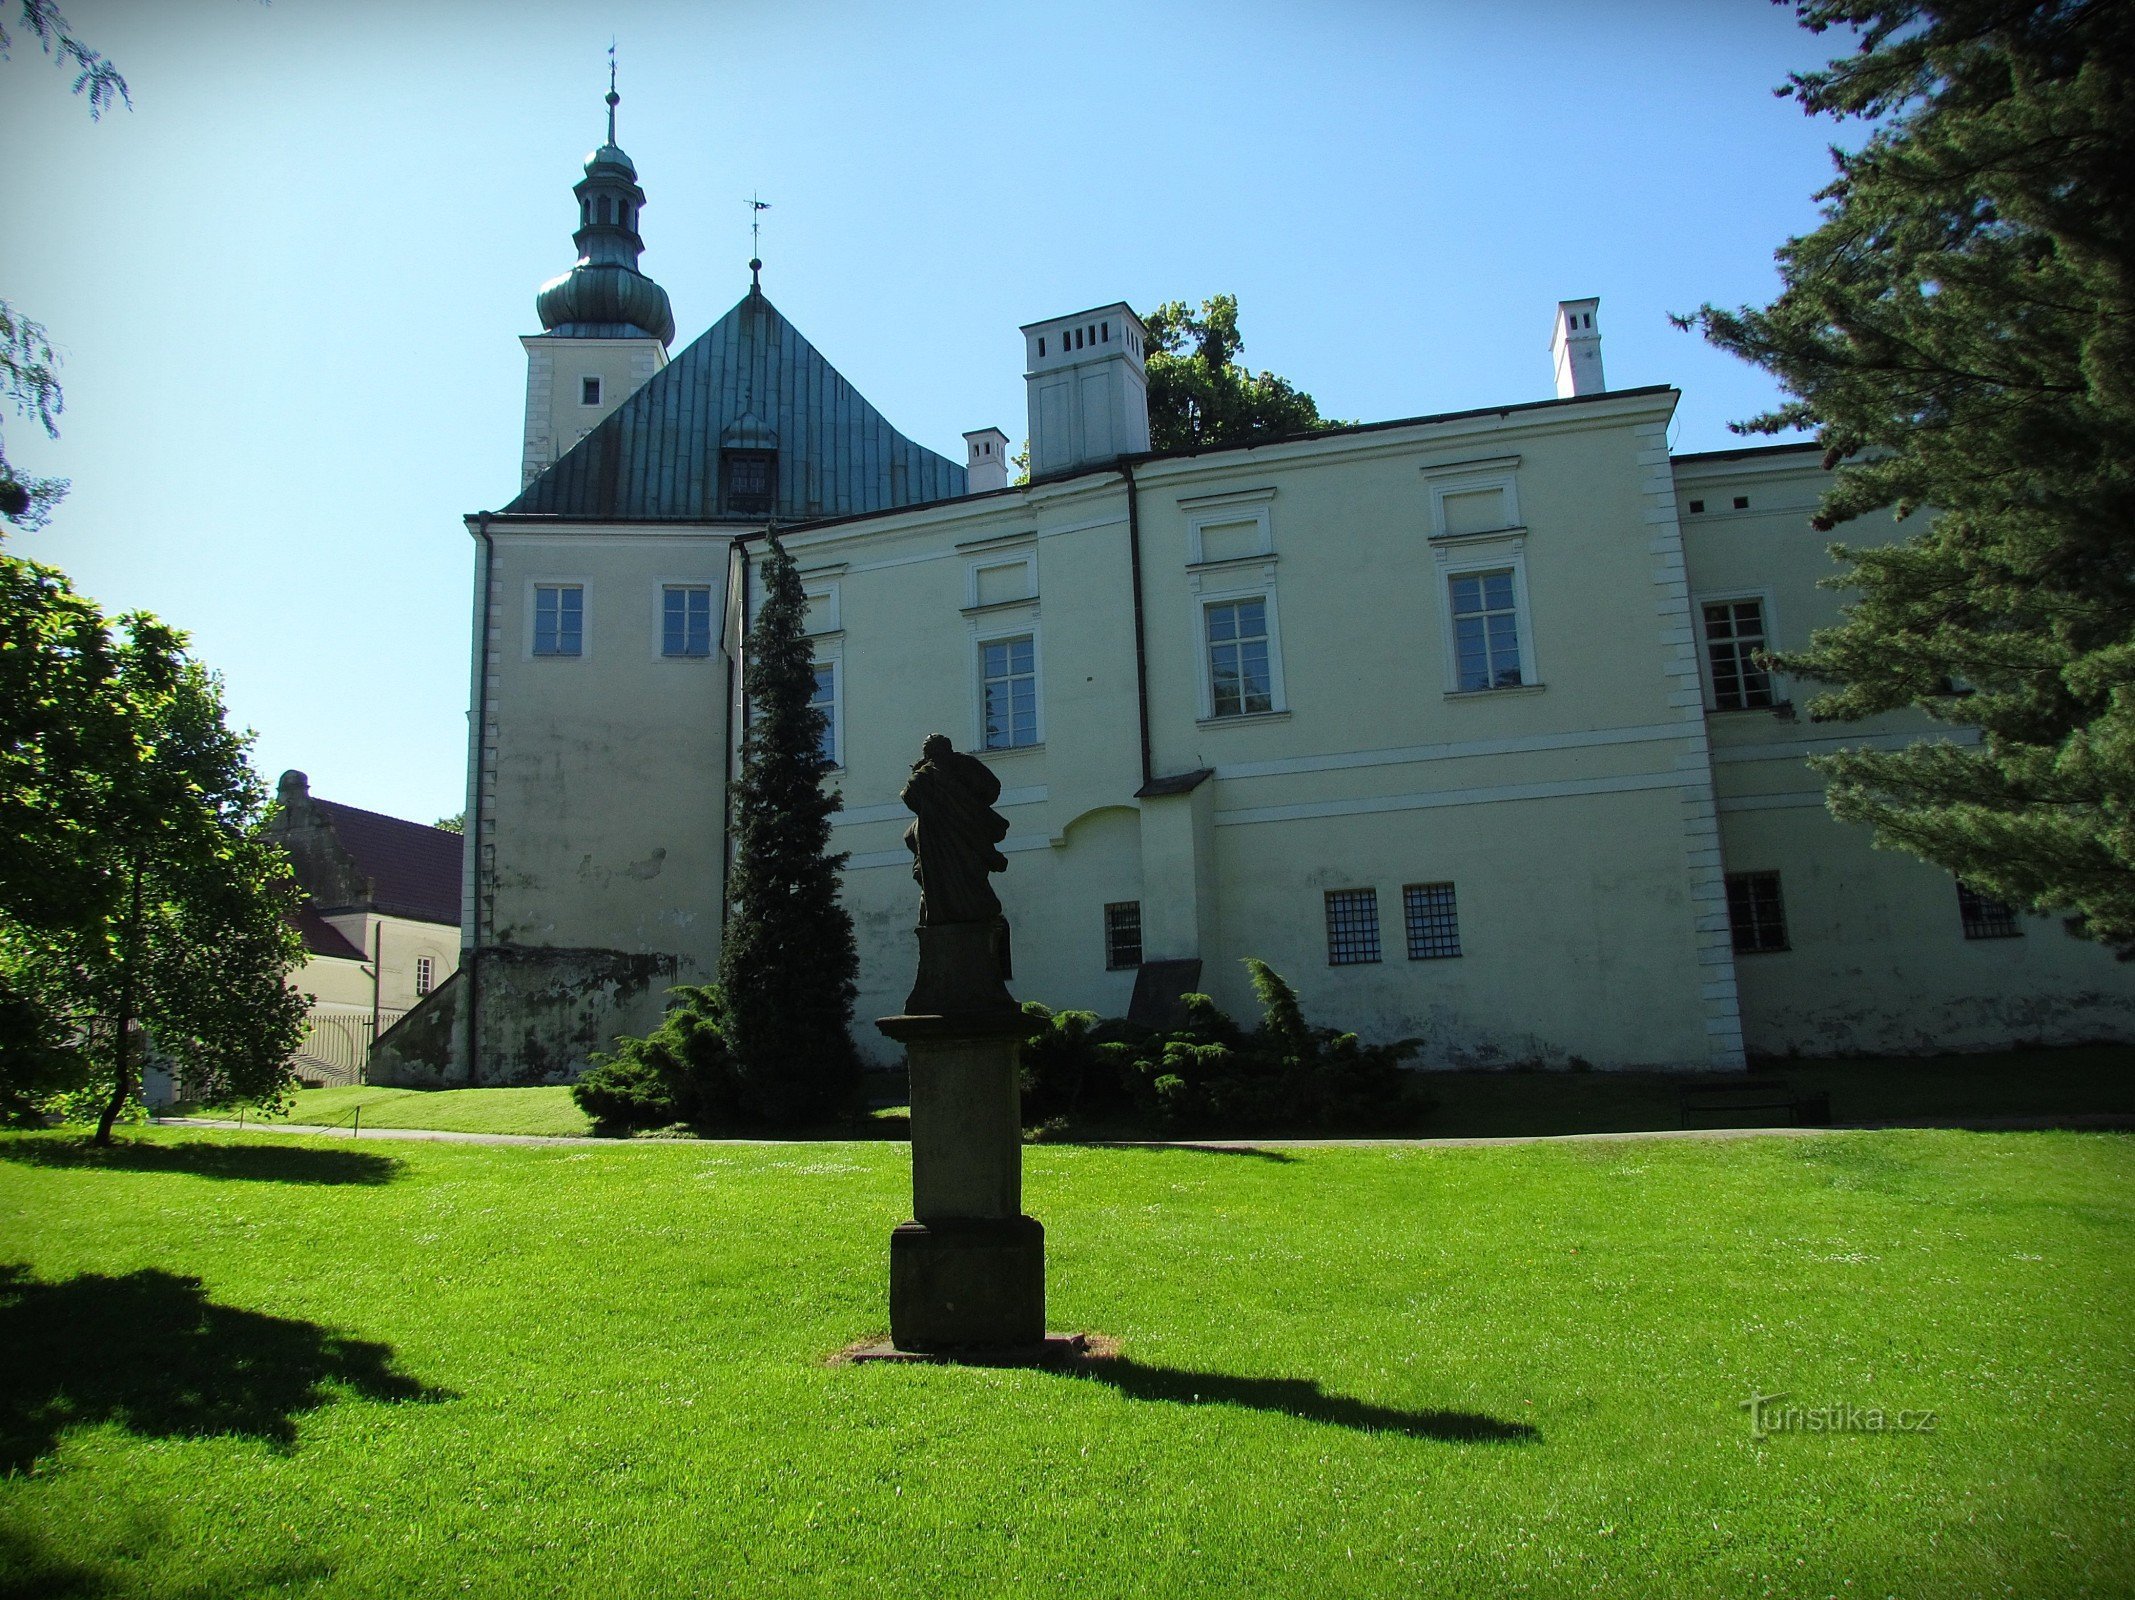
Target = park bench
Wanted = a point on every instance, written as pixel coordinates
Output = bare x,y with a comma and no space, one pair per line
1721,1097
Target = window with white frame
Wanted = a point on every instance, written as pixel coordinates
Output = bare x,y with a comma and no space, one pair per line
425,974
1734,636
1486,629
825,699
1240,663
1008,691
686,620
559,619
1352,927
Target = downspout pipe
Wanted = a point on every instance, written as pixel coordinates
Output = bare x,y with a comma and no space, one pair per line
1141,650
485,560
738,551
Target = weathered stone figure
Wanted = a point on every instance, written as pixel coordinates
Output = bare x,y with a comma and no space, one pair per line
968,1271
954,837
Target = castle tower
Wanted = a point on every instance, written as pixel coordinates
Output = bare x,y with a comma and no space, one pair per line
605,325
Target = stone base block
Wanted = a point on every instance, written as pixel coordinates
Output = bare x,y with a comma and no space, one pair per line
966,1283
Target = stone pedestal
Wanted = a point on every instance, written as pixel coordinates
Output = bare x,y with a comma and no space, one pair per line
969,1270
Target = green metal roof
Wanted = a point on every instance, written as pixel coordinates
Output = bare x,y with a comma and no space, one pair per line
751,382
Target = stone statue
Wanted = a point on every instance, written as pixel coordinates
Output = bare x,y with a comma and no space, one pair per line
955,837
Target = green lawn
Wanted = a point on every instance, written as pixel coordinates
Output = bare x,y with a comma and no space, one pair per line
547,1110
240,1364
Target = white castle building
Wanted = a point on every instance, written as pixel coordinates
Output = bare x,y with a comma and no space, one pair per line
1455,720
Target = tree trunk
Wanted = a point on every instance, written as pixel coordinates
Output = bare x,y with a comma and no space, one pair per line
122,1085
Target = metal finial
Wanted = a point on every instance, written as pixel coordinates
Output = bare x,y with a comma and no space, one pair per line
757,208
613,97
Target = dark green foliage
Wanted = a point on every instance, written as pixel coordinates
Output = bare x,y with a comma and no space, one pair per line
787,960
1211,1076
680,1072
1960,334
1199,395
38,1061
136,890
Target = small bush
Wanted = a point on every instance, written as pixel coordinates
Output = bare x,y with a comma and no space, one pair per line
680,1072
1210,1075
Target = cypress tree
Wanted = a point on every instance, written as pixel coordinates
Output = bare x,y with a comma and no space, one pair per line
1959,334
787,961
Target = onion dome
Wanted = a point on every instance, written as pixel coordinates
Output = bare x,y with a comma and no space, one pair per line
605,296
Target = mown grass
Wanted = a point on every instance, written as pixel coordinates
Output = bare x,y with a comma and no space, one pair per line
240,1364
547,1110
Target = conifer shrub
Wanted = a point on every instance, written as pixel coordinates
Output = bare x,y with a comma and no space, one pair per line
1209,1075
681,1072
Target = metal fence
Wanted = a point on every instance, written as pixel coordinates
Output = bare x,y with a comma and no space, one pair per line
336,1047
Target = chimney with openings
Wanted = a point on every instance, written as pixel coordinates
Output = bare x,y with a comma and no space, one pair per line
985,460
1575,348
1089,394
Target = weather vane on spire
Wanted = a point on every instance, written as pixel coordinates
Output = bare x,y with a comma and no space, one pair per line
757,208
613,97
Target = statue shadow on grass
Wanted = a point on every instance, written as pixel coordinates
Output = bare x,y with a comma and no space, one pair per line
1299,1397
153,1354
261,1162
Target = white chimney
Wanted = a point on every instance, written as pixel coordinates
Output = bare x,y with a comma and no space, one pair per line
1575,348
1089,394
985,460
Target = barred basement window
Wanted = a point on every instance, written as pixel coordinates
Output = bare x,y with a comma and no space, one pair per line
1352,926
1755,912
1433,924
1985,917
1123,934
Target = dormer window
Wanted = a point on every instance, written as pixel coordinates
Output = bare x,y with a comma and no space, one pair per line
749,486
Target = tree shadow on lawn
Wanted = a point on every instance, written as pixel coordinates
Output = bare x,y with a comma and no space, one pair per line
200,1158
1190,1146
152,1353
1298,1397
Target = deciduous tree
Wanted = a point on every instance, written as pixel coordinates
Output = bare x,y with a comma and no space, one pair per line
1200,395
1959,333
787,960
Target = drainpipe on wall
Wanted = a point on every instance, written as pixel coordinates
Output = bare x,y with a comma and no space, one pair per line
485,559
1141,653
377,979
737,551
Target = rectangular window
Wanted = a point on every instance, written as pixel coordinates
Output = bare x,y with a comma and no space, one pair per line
559,619
1734,634
1755,912
751,487
825,700
1486,630
1352,926
1432,920
589,391
1008,673
425,974
1238,678
1123,934
685,620
1985,917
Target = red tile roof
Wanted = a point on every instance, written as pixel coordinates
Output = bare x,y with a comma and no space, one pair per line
414,868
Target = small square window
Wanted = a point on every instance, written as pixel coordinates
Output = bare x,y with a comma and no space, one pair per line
1742,502
1123,935
1352,927
559,619
589,391
1754,911
686,620
1696,506
1433,923
751,482
1985,917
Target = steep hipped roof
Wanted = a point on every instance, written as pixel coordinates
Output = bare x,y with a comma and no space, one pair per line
414,869
322,938
750,382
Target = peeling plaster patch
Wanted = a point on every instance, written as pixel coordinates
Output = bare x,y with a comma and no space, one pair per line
650,866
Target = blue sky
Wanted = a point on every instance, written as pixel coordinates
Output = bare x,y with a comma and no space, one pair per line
288,285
